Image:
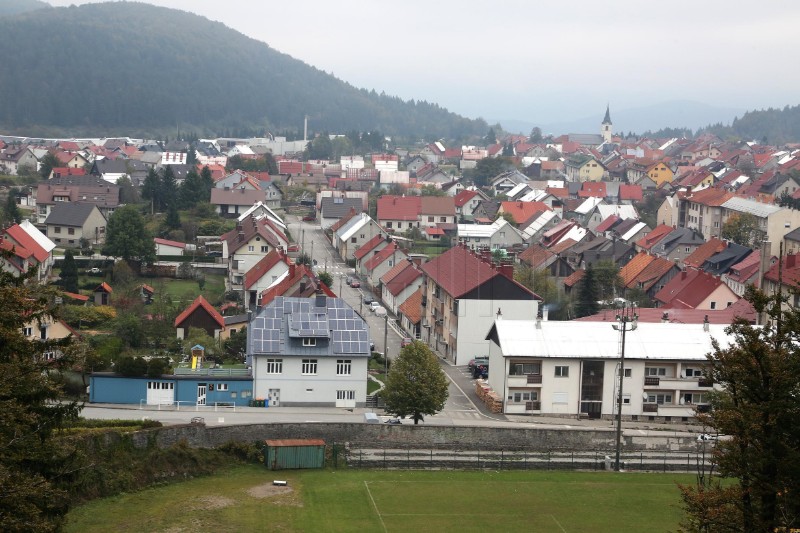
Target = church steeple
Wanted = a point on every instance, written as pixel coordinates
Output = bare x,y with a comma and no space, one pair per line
605,128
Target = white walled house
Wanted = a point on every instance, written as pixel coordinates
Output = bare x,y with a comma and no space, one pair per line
570,369
309,352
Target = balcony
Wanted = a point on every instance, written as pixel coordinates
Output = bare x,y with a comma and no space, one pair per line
651,381
650,407
534,378
705,382
533,406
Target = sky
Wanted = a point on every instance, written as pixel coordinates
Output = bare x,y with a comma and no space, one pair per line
535,61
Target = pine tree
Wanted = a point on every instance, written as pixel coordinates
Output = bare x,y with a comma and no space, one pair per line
151,188
32,463
11,213
173,220
588,295
69,272
168,191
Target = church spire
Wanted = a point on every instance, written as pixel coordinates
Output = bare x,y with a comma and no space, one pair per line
607,119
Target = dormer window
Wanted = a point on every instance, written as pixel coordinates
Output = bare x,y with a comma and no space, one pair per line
307,341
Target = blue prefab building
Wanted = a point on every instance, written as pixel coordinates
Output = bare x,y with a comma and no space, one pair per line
107,387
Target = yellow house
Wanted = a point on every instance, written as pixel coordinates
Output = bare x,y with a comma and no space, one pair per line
47,330
660,173
582,168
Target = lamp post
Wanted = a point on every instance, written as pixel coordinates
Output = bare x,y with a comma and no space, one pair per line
386,345
627,319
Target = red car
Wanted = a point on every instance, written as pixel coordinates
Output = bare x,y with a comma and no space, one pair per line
355,284
309,218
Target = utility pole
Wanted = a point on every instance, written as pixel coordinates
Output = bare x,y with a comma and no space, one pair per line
626,319
386,344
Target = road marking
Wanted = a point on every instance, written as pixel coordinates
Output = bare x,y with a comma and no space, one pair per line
375,506
557,523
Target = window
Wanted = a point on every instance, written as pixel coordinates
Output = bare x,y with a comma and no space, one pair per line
222,387
309,342
388,225
562,371
695,398
345,395
274,366
430,219
660,399
523,369
363,235
713,305
688,249
626,399
655,371
442,219
410,225
58,229
693,372
309,367
250,248
344,367
265,249
27,332
71,231
522,396
627,373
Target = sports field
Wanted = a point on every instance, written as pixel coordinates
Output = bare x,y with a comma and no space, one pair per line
243,499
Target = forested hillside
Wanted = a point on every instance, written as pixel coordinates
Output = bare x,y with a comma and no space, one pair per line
12,7
127,67
772,126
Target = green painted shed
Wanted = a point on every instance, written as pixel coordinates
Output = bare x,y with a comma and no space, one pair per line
287,454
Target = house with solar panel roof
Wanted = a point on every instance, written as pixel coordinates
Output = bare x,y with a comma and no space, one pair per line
309,352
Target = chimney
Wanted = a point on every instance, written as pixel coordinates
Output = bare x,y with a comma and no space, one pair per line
538,322
705,323
545,312
291,270
665,318
507,270
791,260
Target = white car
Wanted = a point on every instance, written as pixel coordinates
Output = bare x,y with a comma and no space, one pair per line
94,270
374,305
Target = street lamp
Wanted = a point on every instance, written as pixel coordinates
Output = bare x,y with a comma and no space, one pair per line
386,344
627,320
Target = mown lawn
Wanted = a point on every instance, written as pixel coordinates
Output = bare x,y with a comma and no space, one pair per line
243,499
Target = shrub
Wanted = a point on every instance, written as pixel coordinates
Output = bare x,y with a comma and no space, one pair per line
131,367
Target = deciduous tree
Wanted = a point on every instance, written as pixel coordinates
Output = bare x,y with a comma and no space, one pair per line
126,236
416,385
742,228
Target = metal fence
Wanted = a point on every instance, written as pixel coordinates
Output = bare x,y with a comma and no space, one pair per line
460,458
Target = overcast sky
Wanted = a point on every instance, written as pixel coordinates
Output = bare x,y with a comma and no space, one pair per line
532,60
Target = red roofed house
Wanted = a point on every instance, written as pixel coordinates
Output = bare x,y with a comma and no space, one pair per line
695,289
647,273
464,294
247,244
743,273
466,202
200,314
167,247
102,294
630,193
522,211
18,261
400,283
784,277
20,237
379,264
648,242
702,211
409,314
593,189
299,283
368,249
399,213
272,268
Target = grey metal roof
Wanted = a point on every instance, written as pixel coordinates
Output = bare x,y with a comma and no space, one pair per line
286,324
743,205
69,214
338,207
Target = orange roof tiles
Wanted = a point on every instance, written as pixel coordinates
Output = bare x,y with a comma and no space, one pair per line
200,302
412,307
704,251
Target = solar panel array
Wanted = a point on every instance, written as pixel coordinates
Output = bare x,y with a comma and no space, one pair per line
348,331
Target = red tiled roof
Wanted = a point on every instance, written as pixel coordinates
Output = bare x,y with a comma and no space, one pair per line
651,239
558,192
459,270
399,207
463,197
103,287
434,231
705,251
740,309
574,278
26,241
394,271
688,289
437,205
535,256
381,256
74,296
790,271
296,274
166,242
343,220
563,246
262,267
200,302
593,189
711,197
522,211
745,269
653,272
406,277
368,246
634,267
630,192
607,224
412,307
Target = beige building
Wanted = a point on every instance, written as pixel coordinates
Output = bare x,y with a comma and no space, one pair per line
68,223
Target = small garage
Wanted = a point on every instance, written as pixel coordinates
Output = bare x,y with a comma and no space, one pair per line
288,454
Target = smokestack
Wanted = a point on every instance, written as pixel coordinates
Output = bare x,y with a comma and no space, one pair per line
507,269
305,128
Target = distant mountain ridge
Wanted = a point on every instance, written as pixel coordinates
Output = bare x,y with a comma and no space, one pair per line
13,7
128,67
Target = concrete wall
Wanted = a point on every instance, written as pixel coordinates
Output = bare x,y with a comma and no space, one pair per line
446,437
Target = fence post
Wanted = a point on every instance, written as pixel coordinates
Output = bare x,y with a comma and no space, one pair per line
384,458
479,458
665,460
502,456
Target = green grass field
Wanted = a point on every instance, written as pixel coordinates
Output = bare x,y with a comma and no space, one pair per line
243,499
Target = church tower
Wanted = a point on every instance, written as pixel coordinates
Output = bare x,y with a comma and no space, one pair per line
606,127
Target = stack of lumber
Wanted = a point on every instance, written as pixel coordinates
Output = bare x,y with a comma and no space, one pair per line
492,400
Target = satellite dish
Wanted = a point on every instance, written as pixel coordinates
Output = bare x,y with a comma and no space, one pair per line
683,373
682,400
644,396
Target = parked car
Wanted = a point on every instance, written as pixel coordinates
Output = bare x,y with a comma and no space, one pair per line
349,280
309,218
477,362
94,270
393,421
373,305
355,284
368,299
293,248
380,312
405,342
